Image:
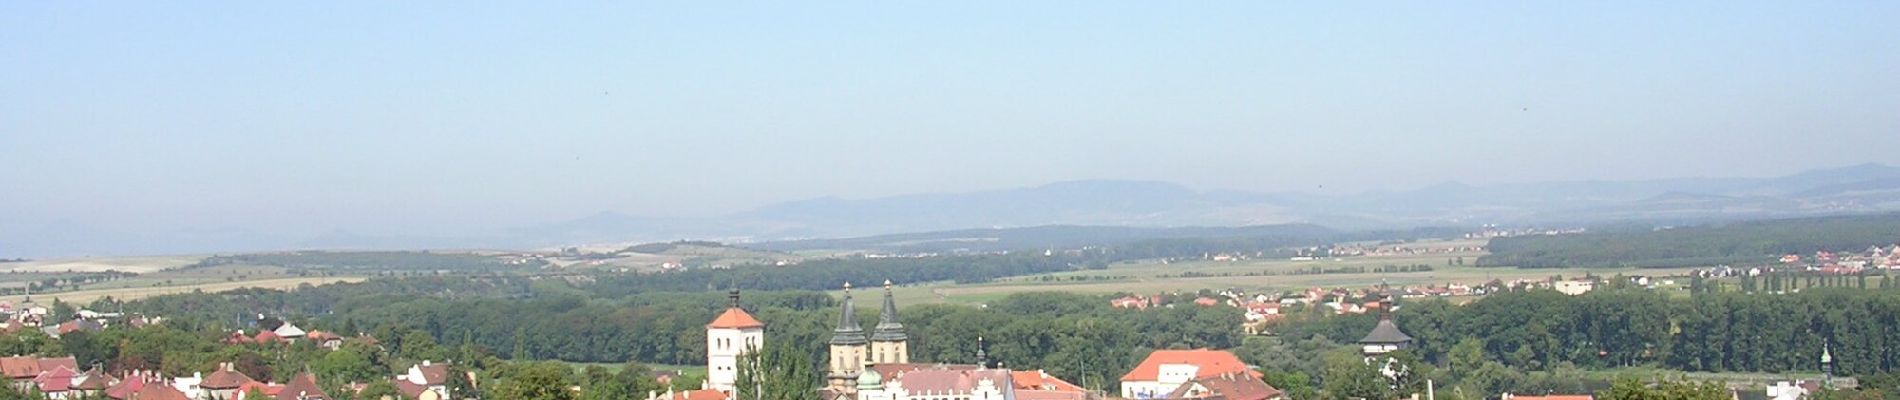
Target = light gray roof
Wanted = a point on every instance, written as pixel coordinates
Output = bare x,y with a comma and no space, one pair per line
1386,332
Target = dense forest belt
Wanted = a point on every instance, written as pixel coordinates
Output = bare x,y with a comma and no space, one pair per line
1733,243
1615,328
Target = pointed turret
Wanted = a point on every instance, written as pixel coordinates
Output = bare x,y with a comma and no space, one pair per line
888,329
982,355
889,340
848,331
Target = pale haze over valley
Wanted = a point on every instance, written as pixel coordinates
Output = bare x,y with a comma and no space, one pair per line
164,128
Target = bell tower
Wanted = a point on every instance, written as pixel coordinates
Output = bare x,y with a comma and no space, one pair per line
730,335
888,342
848,347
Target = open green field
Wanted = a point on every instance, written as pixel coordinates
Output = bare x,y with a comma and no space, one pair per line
1256,275
88,295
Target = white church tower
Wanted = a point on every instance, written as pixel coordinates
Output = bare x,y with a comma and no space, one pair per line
731,335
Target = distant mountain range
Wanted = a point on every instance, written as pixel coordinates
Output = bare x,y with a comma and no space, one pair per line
1856,189
1863,188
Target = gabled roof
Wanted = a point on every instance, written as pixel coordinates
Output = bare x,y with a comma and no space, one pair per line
132,383
288,330
158,392
1227,387
1386,333
953,380
260,388
21,367
701,394
302,387
735,318
58,379
225,378
1041,381
1210,363
432,373
95,380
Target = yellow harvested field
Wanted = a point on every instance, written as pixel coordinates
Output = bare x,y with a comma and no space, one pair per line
87,296
140,265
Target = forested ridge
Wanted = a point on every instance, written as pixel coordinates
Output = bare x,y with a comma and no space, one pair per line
1731,243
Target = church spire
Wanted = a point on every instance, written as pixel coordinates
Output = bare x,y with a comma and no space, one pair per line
848,331
888,329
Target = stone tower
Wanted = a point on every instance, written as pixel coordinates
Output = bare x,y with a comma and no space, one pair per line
888,342
730,336
848,347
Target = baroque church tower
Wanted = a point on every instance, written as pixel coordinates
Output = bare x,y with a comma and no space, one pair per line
849,347
888,341
729,337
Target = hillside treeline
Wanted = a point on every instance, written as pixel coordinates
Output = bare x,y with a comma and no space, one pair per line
1070,335
1733,243
1539,330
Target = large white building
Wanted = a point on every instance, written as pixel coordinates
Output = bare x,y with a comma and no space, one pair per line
1164,371
729,336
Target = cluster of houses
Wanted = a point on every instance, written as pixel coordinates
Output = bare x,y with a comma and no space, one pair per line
61,379
1493,231
1847,263
288,333
29,315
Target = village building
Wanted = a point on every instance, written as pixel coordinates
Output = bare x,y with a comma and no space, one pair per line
1229,386
223,384
1165,371
1384,338
425,381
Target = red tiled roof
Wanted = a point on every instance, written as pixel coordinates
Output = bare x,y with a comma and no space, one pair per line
952,380
701,394
735,318
20,367
1228,387
1211,363
58,379
127,387
95,380
261,388
68,362
302,387
434,374
158,392
1039,380
225,378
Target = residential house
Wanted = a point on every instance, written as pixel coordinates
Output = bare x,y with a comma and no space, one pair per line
425,381
1574,287
1785,390
223,384
289,332
1135,302
56,384
302,387
1228,386
23,369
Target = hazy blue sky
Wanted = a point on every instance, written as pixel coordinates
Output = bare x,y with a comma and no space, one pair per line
427,117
